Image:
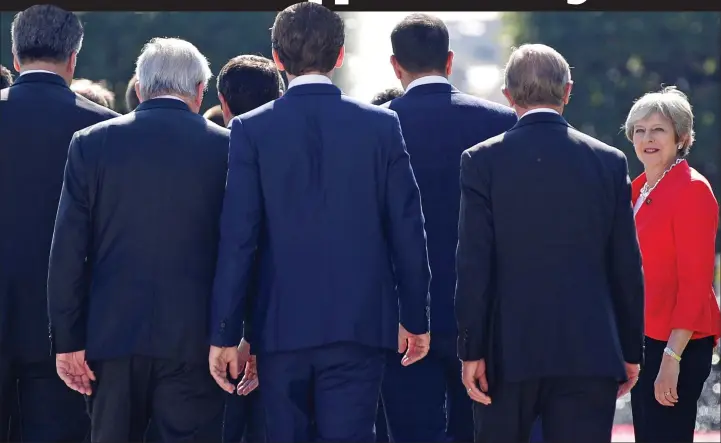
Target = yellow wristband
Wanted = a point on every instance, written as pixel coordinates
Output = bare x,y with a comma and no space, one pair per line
668,351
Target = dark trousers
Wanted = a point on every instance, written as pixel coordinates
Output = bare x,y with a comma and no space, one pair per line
328,393
381,424
653,422
537,432
571,409
426,401
36,406
182,399
244,421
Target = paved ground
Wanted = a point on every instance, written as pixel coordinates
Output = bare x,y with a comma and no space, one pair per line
624,433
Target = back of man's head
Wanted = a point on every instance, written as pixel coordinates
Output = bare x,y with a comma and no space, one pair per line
131,96
96,92
6,77
386,96
249,81
171,66
421,44
308,37
45,33
537,75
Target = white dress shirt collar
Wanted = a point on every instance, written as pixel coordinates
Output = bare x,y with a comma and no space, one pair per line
170,96
538,110
308,79
427,80
38,71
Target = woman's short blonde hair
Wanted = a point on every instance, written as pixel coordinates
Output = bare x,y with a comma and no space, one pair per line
672,104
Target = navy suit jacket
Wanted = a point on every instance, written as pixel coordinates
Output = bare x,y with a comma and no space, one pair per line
141,201
439,122
548,255
321,186
38,116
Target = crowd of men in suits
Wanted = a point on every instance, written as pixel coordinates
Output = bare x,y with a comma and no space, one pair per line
164,266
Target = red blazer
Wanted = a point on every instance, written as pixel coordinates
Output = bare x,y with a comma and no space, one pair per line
676,228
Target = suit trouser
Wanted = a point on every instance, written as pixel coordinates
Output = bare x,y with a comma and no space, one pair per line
653,422
37,406
328,393
426,401
181,398
571,409
537,432
244,421
381,424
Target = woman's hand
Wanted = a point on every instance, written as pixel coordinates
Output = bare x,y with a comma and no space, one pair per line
667,381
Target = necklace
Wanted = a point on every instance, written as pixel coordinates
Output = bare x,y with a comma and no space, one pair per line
646,189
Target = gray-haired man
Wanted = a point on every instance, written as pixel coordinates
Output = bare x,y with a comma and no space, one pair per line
549,296
153,181
38,116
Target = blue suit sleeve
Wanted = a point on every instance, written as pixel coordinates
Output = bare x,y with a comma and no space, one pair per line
240,223
67,269
407,236
626,272
474,258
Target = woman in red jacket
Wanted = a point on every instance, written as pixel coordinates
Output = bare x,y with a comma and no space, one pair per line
676,220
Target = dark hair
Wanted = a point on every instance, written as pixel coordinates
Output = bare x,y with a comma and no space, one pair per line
386,96
131,97
249,81
46,33
96,92
6,77
308,37
421,43
215,115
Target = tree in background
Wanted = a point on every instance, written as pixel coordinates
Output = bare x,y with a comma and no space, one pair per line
616,57
113,41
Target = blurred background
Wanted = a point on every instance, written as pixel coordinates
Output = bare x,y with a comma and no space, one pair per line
615,56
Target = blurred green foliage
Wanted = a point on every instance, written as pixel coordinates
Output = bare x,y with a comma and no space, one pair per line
616,57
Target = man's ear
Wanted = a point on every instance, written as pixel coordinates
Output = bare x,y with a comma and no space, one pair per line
397,69
16,63
137,92
508,97
449,63
567,92
276,60
341,57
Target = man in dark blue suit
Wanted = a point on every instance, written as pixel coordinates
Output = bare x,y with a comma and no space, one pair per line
38,116
320,189
138,221
427,401
245,83
549,298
